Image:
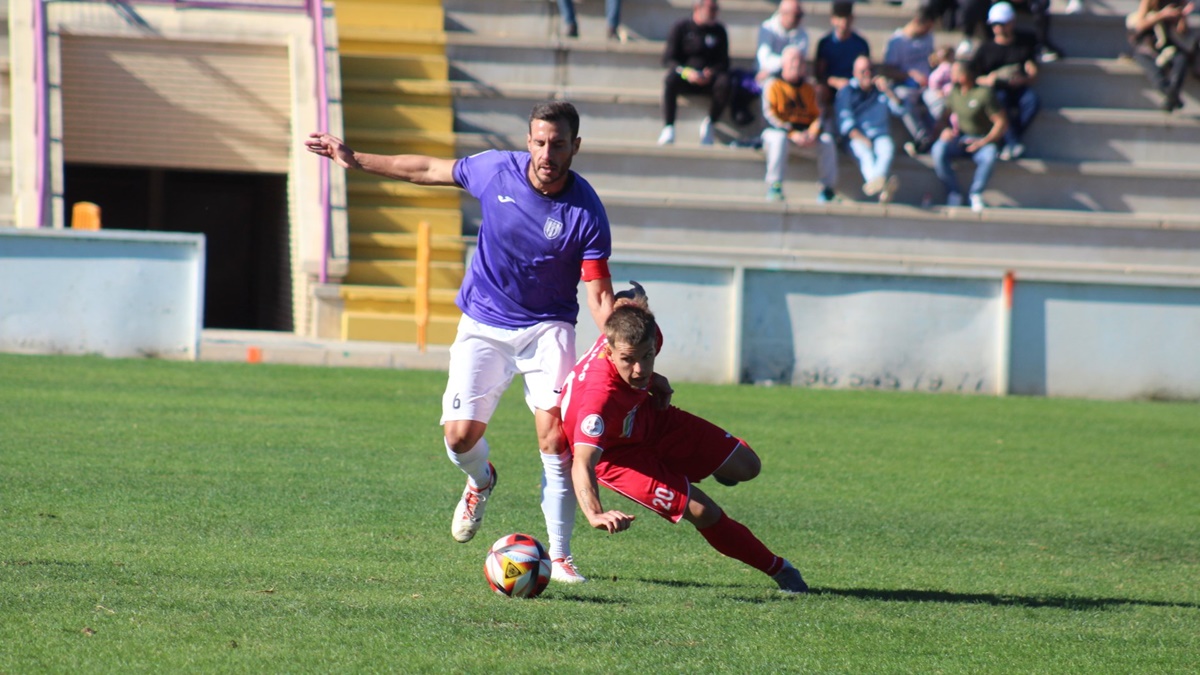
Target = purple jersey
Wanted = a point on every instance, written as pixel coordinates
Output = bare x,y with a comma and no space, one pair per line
526,269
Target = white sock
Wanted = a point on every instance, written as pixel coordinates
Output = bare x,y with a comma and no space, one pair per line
473,462
558,502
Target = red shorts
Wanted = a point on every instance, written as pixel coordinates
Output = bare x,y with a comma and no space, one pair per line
682,449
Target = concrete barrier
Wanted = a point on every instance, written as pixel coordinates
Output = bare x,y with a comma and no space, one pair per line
114,293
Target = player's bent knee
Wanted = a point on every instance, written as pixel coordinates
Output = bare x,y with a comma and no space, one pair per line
462,435
743,464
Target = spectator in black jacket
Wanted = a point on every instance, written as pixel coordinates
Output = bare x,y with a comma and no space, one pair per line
1008,64
697,60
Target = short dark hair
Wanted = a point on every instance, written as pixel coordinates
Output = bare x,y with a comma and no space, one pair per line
843,8
554,112
630,323
928,14
968,67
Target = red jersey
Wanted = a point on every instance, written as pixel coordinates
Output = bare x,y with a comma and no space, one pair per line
599,408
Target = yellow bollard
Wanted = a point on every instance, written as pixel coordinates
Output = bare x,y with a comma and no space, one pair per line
85,216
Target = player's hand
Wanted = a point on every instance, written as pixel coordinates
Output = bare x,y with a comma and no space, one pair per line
332,147
611,521
975,146
660,390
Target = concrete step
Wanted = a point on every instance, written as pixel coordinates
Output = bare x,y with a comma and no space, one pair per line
386,327
379,113
1073,82
404,220
366,191
402,141
403,273
400,246
717,230
1082,134
1088,35
398,300
409,66
1068,134
738,173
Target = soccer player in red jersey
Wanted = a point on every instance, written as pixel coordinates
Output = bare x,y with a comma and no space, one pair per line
640,446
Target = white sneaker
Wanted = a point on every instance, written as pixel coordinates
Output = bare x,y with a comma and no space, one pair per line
954,199
563,571
1075,7
977,204
667,137
468,515
873,186
706,132
888,193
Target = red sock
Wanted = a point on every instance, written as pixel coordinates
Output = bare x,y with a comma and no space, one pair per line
735,540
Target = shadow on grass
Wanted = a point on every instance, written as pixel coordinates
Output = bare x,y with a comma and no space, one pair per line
908,595
911,595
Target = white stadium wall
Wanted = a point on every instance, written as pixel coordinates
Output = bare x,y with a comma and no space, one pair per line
114,293
857,329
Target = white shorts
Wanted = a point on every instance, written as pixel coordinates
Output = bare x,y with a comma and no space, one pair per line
484,359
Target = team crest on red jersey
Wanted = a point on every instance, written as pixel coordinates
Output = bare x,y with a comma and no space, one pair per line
552,228
592,425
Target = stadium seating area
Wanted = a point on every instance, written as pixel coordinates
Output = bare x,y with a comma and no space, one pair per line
1106,171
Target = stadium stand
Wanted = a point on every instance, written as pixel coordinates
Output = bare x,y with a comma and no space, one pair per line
1101,144
397,100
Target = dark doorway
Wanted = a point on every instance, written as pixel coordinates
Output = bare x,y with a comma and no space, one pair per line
243,216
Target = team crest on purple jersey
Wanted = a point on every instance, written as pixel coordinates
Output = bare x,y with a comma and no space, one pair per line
553,228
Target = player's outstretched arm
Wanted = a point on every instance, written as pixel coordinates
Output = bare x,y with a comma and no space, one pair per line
583,473
418,169
600,300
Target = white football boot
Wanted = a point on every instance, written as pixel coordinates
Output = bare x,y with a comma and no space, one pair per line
468,515
563,571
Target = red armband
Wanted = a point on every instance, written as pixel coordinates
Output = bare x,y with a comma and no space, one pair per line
592,270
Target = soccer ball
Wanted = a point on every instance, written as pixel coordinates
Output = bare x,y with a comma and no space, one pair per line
518,566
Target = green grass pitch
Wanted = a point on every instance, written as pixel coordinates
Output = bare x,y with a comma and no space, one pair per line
202,517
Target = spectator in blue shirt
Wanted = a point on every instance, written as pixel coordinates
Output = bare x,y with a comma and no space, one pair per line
838,49
863,108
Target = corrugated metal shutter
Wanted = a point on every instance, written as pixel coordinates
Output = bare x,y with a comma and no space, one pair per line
171,103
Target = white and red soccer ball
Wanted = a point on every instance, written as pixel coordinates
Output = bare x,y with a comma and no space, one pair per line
518,566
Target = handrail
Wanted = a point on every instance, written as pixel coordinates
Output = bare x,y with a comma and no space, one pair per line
40,123
316,12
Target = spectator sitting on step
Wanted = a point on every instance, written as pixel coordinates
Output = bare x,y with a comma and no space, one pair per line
794,119
782,30
973,14
837,50
907,63
940,81
697,60
1008,64
1163,46
863,108
981,124
612,13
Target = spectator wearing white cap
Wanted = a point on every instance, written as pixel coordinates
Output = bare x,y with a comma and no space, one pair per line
1008,64
972,14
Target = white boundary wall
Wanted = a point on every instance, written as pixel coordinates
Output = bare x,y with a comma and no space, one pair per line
949,331
115,293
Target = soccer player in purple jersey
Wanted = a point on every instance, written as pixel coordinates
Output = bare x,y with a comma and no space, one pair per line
543,230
